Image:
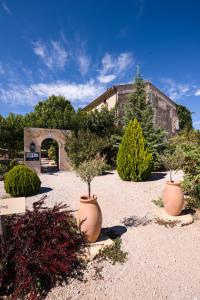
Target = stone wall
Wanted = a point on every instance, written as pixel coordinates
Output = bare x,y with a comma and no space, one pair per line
164,109
37,136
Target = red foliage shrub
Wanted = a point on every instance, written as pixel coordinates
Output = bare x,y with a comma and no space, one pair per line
39,250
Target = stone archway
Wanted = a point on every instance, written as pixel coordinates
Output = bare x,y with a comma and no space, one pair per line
33,138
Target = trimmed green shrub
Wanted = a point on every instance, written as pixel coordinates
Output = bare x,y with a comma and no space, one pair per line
21,181
134,161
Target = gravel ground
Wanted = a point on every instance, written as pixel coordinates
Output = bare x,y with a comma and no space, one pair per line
163,263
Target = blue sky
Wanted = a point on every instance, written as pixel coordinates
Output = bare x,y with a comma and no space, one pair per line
80,48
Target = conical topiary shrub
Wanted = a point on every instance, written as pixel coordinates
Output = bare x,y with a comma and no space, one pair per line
21,181
134,161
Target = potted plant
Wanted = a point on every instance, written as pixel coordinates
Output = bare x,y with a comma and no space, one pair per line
89,216
173,198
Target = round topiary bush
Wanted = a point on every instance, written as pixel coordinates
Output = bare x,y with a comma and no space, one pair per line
21,181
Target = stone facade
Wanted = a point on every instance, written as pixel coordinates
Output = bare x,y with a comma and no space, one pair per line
164,108
36,136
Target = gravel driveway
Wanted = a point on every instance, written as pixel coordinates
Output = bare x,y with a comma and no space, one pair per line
163,263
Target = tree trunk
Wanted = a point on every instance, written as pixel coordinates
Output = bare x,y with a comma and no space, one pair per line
89,190
170,175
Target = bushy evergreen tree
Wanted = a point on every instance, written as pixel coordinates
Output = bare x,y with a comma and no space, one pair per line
185,117
138,107
134,161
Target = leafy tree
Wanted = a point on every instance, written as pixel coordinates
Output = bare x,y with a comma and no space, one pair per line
102,122
92,135
79,121
134,160
11,134
185,117
85,146
87,170
173,160
138,107
54,112
189,142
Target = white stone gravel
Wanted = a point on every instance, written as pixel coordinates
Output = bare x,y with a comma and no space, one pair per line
163,263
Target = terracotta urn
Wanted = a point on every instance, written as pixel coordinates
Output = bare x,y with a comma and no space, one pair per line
173,198
89,218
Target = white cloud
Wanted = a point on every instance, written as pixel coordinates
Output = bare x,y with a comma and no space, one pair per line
111,66
196,123
39,49
84,63
5,7
30,95
197,93
53,56
177,90
124,60
106,78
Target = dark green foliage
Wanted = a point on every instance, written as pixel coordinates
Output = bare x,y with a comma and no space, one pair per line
114,253
158,202
11,134
138,107
21,181
189,142
185,117
134,161
85,146
12,164
79,121
54,112
3,170
191,186
102,122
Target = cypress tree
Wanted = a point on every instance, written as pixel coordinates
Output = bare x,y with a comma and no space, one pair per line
134,161
138,107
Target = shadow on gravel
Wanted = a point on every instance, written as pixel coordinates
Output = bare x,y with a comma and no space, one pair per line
44,190
156,176
187,211
114,231
108,173
134,221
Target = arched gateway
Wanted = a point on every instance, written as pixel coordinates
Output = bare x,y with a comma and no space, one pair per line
33,138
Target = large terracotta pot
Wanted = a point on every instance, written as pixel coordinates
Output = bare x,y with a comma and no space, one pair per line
173,198
89,218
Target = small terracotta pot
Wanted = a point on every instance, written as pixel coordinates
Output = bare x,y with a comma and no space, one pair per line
173,198
89,218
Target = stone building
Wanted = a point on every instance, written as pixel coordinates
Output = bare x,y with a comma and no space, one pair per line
165,113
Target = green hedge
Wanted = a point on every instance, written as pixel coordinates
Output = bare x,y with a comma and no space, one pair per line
21,181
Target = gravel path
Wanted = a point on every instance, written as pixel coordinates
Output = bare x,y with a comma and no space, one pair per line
163,263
